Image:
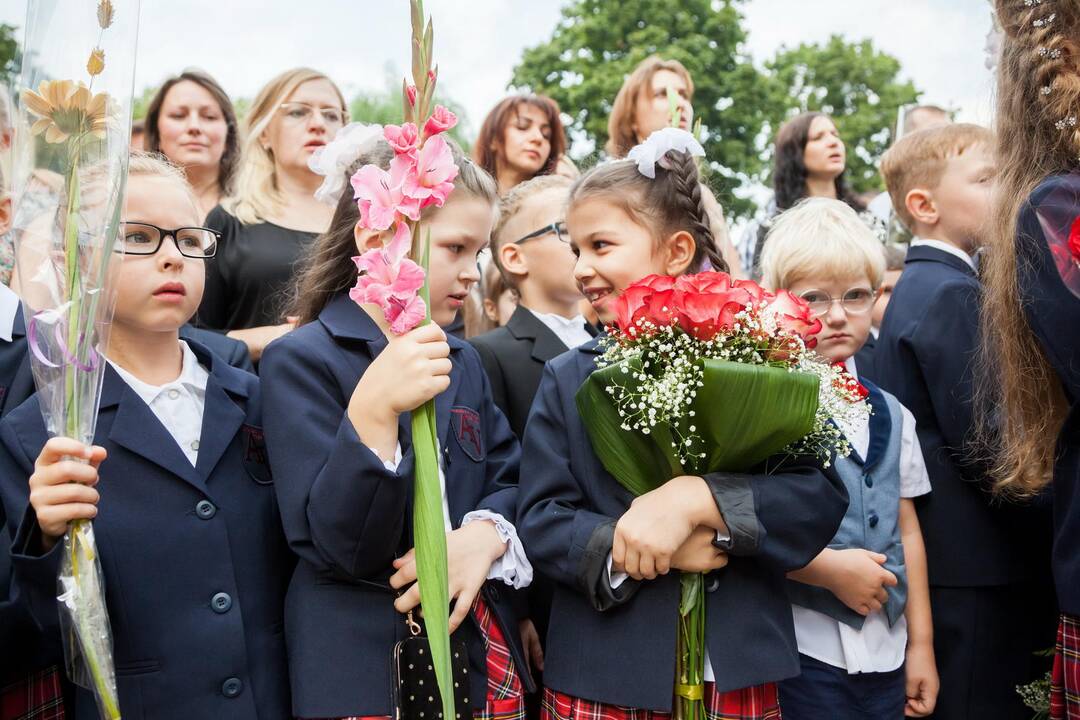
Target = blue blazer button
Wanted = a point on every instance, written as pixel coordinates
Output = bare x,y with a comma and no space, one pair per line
232,687
205,509
221,603
873,520
868,480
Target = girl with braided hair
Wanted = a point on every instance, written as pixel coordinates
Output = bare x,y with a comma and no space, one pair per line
611,639
1032,305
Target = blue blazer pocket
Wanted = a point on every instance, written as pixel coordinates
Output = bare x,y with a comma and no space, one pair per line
468,431
255,460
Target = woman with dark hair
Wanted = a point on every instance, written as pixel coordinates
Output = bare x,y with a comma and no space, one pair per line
523,137
809,160
191,121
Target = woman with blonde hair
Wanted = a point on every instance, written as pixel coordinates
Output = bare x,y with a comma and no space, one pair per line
1031,273
272,218
642,107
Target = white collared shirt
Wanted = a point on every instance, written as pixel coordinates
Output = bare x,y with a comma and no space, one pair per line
876,647
178,404
946,247
9,305
570,330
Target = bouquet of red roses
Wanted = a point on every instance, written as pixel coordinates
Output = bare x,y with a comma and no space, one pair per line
704,374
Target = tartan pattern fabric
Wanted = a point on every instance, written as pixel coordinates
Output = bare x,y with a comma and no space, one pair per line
505,695
758,702
1065,677
36,696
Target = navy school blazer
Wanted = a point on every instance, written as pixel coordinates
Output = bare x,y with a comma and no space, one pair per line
347,516
1051,302
194,560
618,646
925,356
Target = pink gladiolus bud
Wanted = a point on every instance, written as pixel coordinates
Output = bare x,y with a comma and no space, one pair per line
440,121
431,75
403,138
410,92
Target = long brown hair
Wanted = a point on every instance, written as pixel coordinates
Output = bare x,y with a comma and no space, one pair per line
621,134
489,142
670,202
328,270
230,158
1022,403
789,164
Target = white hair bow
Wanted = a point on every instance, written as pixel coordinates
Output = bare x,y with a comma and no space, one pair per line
652,151
333,159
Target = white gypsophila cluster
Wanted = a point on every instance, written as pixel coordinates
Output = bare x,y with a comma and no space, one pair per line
662,377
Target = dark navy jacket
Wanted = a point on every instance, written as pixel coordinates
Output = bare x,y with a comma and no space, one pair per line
618,646
195,564
1051,301
348,517
16,382
925,356
232,351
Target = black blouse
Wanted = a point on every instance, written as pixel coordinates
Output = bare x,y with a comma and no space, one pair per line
249,279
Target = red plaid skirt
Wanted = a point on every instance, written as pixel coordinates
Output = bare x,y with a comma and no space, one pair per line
753,703
38,696
1065,677
505,695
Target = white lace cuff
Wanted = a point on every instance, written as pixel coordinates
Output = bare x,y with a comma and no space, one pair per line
513,568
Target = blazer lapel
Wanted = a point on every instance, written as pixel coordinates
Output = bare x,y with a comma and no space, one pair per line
524,325
880,426
222,419
137,429
927,253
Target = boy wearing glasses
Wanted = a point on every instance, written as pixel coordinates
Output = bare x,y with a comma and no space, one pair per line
861,607
988,560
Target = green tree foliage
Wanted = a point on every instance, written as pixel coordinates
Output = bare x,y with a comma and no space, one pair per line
598,42
857,85
9,55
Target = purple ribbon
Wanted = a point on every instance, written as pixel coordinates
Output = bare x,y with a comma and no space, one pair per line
93,358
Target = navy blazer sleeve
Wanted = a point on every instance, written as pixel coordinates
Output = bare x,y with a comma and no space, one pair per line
342,509
560,535
784,519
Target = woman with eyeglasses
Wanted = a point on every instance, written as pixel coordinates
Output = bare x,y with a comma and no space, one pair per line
191,121
272,218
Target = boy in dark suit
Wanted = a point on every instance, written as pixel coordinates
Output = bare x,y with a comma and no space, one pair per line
988,561
531,248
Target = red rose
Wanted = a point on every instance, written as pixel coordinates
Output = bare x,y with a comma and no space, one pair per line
703,282
705,314
662,307
656,282
753,292
792,314
630,305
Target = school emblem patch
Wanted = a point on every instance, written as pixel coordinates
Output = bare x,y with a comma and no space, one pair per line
256,462
466,425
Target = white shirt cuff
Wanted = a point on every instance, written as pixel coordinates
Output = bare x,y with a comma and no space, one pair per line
615,579
513,568
391,465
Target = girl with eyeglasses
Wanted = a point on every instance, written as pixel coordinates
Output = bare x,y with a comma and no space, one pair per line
177,482
270,222
862,606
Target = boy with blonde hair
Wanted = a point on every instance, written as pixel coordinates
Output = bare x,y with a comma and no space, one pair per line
861,607
988,562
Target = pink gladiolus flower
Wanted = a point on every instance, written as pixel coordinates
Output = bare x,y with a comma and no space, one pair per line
429,175
402,138
410,92
380,198
440,121
391,281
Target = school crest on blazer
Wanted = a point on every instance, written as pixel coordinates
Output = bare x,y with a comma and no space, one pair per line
467,430
256,462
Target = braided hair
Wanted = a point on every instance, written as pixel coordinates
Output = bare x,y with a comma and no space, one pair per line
673,201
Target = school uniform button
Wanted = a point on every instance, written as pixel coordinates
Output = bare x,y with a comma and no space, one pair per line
868,480
873,519
174,394
195,445
232,687
221,603
205,509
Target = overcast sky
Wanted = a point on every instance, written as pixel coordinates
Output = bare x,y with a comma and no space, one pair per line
244,42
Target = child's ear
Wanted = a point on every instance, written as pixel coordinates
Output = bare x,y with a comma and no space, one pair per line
513,259
5,213
491,310
366,239
920,203
680,253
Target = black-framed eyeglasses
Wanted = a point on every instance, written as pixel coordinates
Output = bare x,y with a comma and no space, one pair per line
145,239
855,301
559,228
